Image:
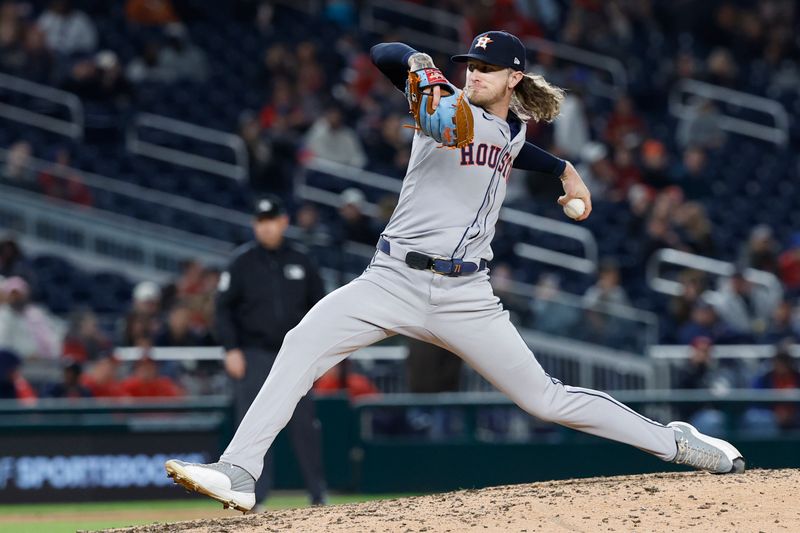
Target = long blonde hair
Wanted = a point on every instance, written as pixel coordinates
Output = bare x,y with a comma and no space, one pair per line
536,99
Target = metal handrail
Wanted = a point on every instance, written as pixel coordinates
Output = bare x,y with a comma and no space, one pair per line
463,399
131,190
116,405
427,14
777,134
672,352
95,237
587,265
612,65
625,312
237,171
705,264
72,129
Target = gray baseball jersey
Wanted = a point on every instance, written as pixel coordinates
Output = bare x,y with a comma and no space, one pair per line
448,207
451,198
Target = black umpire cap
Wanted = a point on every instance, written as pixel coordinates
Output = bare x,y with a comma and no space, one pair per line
496,48
269,206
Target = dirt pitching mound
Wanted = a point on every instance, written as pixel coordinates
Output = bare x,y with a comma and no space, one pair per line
759,500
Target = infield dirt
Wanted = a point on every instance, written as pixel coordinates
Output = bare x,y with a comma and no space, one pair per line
758,500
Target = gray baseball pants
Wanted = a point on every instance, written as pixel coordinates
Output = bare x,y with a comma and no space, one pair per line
460,314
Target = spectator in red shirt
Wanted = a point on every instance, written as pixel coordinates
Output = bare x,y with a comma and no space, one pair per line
63,182
782,375
789,264
84,340
12,384
624,126
341,378
147,383
101,379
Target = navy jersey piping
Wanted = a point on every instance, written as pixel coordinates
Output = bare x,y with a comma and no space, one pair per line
485,197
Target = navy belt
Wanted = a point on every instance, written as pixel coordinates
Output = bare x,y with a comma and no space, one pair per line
419,261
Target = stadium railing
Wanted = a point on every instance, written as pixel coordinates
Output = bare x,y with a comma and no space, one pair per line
657,403
611,66
380,16
178,129
578,363
738,100
660,259
72,128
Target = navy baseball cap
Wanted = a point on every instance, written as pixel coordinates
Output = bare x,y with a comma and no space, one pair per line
496,48
270,206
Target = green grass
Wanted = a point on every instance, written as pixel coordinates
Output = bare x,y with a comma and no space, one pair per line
73,520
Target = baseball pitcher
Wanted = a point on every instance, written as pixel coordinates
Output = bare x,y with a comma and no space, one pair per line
429,278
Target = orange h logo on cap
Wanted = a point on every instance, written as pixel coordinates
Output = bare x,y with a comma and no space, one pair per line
483,40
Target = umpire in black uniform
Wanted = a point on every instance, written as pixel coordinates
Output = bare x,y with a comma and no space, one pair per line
266,290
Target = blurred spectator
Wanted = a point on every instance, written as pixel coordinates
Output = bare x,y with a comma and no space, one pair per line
101,81
25,328
146,68
693,285
550,313
694,229
150,12
312,232
704,322
703,128
353,224
783,374
329,138
144,318
627,172
640,202
502,280
101,378
431,368
67,30
189,284
624,127
341,378
271,158
177,330
789,264
140,330
17,170
145,382
13,262
721,68
693,176
39,61
71,386
744,306
607,292
388,147
147,298
781,326
655,164
761,250
63,182
84,340
12,58
597,171
12,384
659,235
703,371
179,59
571,130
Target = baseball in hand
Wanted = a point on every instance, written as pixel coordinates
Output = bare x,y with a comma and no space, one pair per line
574,208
